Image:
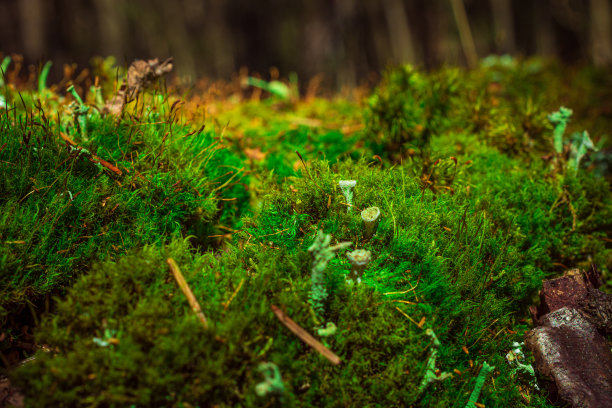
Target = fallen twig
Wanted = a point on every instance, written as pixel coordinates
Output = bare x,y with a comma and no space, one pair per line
92,157
305,336
180,279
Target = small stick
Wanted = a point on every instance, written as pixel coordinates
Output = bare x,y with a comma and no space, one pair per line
92,157
419,325
305,336
106,164
180,279
226,305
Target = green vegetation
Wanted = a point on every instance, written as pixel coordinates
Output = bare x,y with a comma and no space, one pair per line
477,206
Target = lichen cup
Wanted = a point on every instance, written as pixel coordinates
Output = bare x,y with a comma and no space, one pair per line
359,259
370,217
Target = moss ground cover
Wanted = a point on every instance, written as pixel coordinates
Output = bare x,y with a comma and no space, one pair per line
477,208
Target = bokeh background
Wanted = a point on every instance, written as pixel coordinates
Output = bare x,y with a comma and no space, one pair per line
346,41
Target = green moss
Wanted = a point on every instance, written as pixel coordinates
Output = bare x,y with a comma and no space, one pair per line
61,211
474,215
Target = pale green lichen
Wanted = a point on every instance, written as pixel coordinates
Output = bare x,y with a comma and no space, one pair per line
347,187
559,119
359,259
370,217
80,111
329,330
430,369
272,383
482,377
514,358
581,143
322,253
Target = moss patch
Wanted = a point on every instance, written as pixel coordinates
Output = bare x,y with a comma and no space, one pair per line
477,208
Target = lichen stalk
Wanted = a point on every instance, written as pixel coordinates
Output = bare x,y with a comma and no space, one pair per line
370,217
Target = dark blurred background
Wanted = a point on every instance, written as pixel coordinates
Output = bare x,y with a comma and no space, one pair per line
344,40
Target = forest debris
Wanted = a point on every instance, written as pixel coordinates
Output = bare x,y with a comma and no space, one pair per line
567,291
180,279
255,154
92,157
305,336
141,74
571,353
577,290
573,358
226,304
598,310
9,395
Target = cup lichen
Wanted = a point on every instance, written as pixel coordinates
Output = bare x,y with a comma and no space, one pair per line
359,259
370,217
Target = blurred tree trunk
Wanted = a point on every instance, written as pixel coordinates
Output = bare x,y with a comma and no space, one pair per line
347,49
435,21
317,40
31,17
503,25
112,26
343,39
181,45
400,36
379,33
543,30
220,39
465,32
601,32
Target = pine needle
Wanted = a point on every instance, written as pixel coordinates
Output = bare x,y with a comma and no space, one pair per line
180,279
305,336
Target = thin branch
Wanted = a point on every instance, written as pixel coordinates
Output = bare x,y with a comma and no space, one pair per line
305,336
180,279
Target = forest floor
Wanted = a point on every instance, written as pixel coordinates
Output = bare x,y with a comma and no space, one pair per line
241,244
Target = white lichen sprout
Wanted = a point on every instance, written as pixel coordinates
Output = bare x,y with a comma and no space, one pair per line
347,187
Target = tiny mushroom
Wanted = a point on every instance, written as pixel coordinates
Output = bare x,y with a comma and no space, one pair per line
370,217
347,189
359,259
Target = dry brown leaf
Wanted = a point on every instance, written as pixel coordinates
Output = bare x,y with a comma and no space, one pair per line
141,74
255,154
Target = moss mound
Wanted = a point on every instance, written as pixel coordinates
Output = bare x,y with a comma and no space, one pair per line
481,196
